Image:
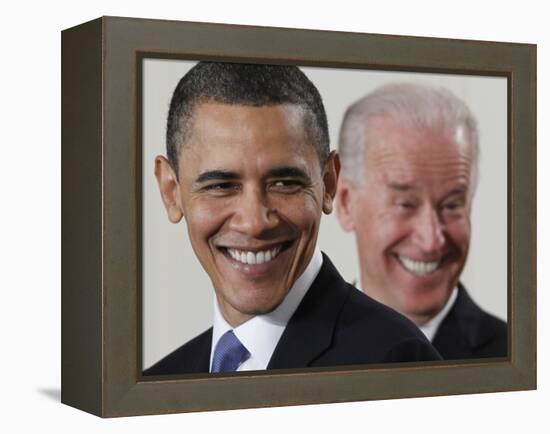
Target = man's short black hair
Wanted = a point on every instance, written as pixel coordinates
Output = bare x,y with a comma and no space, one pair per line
246,84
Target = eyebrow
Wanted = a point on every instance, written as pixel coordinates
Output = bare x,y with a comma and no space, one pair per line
288,172
408,187
216,175
228,175
400,187
458,190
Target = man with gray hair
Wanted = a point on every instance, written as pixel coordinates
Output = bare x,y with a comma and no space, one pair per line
409,168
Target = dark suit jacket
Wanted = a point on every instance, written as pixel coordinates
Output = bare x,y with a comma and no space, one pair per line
467,332
335,324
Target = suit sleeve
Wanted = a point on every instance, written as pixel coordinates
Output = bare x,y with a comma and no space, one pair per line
412,349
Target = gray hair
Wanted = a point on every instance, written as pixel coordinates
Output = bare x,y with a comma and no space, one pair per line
415,105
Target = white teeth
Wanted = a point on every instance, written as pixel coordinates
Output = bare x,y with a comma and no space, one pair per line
419,268
248,257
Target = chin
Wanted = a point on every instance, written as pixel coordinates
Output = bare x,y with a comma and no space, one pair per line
256,310
253,307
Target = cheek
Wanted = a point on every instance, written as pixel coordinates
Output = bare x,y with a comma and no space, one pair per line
302,211
458,234
204,219
379,233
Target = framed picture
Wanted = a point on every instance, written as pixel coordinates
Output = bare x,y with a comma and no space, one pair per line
133,289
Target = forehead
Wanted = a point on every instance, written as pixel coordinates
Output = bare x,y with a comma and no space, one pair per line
409,154
227,135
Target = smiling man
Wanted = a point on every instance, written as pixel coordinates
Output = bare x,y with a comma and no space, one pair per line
409,156
250,171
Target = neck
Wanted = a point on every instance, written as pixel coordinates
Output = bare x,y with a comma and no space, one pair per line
419,320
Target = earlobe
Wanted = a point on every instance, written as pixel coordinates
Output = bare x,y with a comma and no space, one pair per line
169,188
330,180
344,206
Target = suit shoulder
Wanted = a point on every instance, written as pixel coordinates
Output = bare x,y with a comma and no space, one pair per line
492,323
361,310
384,334
469,332
191,357
492,336
488,334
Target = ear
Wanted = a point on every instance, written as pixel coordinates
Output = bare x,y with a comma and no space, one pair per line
344,205
169,188
330,180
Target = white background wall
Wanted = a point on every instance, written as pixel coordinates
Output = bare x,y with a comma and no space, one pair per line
177,292
30,218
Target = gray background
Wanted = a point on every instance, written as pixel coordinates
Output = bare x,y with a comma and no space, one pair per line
177,292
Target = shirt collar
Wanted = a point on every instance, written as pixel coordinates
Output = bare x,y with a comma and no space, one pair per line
430,328
261,333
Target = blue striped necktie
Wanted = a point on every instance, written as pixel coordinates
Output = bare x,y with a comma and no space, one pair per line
229,353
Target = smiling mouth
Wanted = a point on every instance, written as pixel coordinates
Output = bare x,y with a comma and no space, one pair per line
419,268
257,257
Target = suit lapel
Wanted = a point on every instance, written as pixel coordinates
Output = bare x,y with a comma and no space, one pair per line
203,362
310,330
456,336
450,340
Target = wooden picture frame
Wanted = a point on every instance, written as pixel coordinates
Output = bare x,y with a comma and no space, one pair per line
101,219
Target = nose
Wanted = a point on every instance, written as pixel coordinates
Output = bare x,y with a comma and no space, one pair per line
253,216
429,231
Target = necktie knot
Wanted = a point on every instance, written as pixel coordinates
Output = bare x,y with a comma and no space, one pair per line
229,353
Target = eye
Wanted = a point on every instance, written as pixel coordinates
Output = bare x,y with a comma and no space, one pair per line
406,205
285,185
452,206
221,187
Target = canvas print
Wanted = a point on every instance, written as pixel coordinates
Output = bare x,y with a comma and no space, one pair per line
297,217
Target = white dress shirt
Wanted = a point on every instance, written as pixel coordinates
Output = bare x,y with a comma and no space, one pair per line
430,328
261,333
